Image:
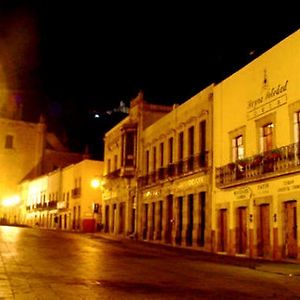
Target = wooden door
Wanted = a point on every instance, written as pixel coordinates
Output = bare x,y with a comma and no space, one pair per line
290,224
169,219
106,229
179,221
263,230
145,221
241,230
222,240
122,218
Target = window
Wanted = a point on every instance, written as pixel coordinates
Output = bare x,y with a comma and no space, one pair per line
170,150
202,139
9,142
237,148
267,137
147,162
297,126
154,158
180,146
129,148
191,141
265,130
161,154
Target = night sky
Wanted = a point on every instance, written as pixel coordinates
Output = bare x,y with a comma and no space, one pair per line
68,58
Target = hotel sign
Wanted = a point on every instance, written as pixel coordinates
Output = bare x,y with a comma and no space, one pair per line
271,99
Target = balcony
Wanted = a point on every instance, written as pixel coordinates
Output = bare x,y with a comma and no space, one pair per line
113,174
52,204
194,164
269,164
76,192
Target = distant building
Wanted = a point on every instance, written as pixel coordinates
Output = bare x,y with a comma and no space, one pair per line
66,199
27,150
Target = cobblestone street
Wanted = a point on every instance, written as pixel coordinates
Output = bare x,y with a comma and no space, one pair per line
41,264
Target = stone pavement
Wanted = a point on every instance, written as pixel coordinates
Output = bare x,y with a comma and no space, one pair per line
95,275
288,268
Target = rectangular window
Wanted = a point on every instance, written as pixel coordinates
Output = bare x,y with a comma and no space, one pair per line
147,162
191,141
202,142
9,142
129,148
237,148
267,137
170,150
154,159
202,138
180,146
161,154
297,126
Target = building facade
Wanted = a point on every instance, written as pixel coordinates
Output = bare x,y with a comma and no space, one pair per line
121,157
256,203
174,191
68,198
21,154
27,150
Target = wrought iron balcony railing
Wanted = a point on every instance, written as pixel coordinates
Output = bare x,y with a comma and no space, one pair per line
267,164
180,168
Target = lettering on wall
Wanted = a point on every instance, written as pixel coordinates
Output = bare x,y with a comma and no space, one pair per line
242,193
263,188
288,185
272,98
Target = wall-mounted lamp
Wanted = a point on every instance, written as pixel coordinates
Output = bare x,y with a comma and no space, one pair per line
275,217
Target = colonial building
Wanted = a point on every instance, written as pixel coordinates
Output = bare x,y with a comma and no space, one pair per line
68,198
174,192
27,150
256,197
121,156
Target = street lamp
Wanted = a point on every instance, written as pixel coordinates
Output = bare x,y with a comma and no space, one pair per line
97,183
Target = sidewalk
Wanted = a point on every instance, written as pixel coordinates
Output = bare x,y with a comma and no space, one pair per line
286,268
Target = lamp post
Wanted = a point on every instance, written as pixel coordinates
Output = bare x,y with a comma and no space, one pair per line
97,184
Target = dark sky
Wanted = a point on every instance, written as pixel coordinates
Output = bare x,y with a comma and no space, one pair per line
73,56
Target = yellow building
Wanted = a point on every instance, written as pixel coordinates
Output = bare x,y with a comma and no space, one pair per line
21,154
68,199
174,192
27,150
256,210
121,155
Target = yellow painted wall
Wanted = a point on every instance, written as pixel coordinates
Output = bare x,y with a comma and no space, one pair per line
279,66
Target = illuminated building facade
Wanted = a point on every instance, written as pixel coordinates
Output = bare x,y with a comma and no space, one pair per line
175,184
21,153
121,155
256,203
66,199
27,150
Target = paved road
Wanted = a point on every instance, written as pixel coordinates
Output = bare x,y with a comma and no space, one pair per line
41,264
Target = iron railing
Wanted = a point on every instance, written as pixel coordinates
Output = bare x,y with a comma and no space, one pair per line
266,164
